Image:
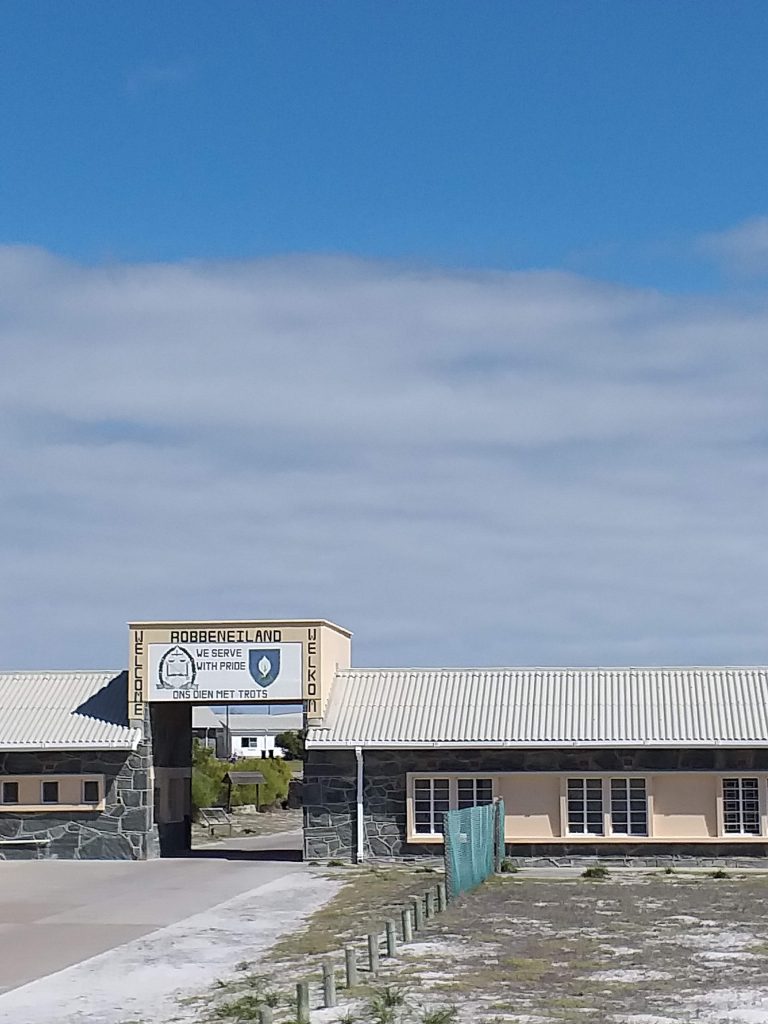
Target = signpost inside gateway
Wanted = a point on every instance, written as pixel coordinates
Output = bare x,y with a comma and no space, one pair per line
231,662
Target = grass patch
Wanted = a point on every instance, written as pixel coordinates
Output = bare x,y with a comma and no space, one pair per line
596,871
367,897
718,873
508,866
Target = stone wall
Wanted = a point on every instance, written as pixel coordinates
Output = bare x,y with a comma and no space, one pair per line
330,788
122,831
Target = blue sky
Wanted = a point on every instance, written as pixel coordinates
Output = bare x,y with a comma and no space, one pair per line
597,136
443,320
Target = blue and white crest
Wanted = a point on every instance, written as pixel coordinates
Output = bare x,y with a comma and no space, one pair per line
264,665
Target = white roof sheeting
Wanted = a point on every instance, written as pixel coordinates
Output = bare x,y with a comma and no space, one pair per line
65,711
546,707
271,724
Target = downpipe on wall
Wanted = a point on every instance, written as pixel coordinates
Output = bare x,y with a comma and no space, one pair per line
360,857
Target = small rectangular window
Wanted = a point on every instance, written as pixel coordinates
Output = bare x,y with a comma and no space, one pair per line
91,793
50,792
585,806
741,806
629,807
430,802
474,792
10,792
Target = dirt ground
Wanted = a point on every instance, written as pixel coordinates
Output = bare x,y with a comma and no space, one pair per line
637,948
246,821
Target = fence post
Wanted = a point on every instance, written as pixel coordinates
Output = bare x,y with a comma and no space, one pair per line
265,1015
329,984
441,897
418,913
429,900
391,938
407,922
350,962
302,1002
373,953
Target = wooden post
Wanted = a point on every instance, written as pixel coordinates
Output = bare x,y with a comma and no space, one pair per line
429,899
391,938
265,1015
407,923
302,1002
441,900
329,984
418,913
350,961
373,953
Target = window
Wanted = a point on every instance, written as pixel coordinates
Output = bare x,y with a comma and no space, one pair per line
741,806
91,794
629,807
474,792
10,792
585,806
50,792
431,799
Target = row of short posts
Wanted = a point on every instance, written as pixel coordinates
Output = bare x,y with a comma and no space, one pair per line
412,920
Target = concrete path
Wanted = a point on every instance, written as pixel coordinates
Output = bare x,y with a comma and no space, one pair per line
111,941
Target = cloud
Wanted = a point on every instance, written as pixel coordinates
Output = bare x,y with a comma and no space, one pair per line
743,249
462,468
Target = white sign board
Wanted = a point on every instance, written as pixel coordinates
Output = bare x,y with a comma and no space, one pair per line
220,673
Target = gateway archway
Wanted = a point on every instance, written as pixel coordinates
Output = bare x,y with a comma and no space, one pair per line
175,666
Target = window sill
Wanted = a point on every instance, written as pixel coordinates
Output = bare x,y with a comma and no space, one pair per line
42,808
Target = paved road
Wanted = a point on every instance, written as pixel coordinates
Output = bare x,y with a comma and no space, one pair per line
57,913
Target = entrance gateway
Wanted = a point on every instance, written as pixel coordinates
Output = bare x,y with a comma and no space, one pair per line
174,666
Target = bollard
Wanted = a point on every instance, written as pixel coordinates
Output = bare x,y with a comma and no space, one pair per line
302,1002
265,1015
429,900
329,984
418,913
373,953
391,938
441,900
351,964
407,922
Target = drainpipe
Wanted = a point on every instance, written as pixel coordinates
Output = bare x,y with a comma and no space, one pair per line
360,819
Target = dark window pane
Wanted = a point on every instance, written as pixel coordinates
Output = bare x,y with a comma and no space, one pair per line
10,792
91,792
50,792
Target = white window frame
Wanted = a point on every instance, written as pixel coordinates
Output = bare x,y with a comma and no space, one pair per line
566,824
741,833
628,780
453,798
608,831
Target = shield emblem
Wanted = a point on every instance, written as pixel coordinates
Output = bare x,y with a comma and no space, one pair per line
264,665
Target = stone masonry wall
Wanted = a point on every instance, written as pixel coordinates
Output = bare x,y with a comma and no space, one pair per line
330,788
122,831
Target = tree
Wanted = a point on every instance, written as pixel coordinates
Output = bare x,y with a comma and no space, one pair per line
292,743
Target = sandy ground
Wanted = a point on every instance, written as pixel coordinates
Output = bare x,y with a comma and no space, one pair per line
148,979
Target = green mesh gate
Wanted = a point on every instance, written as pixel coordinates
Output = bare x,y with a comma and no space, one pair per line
474,845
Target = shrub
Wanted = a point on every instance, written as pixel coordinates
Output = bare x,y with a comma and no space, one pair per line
210,789
508,866
719,873
595,871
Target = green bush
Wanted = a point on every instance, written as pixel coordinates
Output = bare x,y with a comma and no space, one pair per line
209,788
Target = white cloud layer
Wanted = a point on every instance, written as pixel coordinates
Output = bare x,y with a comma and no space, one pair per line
462,468
742,249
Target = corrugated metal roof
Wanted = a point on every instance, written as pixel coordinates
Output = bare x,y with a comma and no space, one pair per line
204,717
289,722
546,707
65,711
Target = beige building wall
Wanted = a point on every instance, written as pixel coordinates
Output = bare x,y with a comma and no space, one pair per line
531,806
681,807
685,805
